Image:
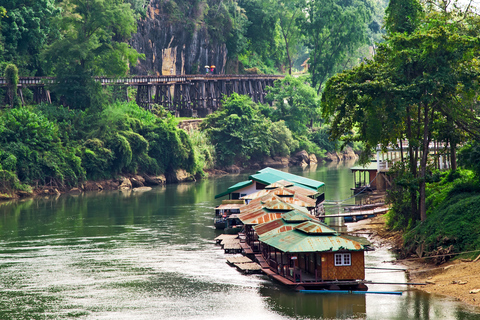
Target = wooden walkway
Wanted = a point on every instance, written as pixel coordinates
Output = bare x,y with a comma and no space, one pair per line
358,214
244,264
229,242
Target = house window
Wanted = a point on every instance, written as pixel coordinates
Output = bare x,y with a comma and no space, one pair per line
343,259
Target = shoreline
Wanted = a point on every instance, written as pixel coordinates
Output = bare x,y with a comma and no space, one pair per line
457,279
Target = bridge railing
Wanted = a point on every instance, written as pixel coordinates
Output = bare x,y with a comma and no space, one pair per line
142,80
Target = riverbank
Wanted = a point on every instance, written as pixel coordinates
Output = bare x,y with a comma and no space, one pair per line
456,279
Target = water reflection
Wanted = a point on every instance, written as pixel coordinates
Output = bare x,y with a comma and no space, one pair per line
314,305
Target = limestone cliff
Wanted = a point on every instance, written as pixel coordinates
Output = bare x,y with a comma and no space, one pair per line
178,45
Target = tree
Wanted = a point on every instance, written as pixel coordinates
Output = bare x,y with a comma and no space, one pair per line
287,12
403,16
25,31
92,43
261,33
333,30
295,102
11,77
240,132
413,80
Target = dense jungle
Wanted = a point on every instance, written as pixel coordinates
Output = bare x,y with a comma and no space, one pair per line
360,74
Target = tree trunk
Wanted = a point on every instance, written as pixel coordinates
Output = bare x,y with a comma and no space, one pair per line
453,154
423,164
412,164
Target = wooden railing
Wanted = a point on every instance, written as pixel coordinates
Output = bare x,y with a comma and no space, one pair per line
146,80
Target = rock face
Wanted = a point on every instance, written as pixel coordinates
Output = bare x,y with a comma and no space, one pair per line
182,47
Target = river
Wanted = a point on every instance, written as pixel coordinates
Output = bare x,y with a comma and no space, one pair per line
151,255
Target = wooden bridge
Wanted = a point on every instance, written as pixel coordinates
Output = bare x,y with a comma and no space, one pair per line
185,95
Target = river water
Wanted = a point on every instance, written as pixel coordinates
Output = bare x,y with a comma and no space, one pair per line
151,255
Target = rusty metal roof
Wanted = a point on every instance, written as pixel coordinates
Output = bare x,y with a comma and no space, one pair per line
288,221
279,184
305,199
260,217
297,202
303,191
278,204
255,195
229,206
314,227
298,241
282,192
297,216
274,226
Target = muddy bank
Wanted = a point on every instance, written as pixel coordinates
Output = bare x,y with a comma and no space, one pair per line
458,279
121,182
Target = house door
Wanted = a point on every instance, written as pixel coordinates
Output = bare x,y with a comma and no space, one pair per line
318,266
311,263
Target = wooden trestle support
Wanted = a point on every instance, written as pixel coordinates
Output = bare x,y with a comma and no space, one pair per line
184,95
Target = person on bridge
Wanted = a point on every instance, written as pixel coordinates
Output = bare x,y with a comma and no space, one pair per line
207,69
212,69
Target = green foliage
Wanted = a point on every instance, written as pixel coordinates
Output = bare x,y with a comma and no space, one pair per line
415,78
93,42
25,30
333,31
11,77
96,159
58,146
283,142
138,141
310,146
139,7
321,138
295,102
469,157
263,50
452,216
240,132
403,16
405,186
204,150
32,150
9,183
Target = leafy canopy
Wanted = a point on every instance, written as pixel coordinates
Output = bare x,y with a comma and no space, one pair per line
93,42
240,132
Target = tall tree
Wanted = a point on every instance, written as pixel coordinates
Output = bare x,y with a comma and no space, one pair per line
403,16
287,13
295,102
25,31
415,79
333,29
93,42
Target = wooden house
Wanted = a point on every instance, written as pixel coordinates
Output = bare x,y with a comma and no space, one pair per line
258,212
267,176
311,255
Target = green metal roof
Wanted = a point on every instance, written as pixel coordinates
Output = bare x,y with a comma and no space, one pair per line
234,188
371,166
269,175
299,241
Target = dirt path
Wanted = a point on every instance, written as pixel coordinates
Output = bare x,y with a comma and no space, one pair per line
459,279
